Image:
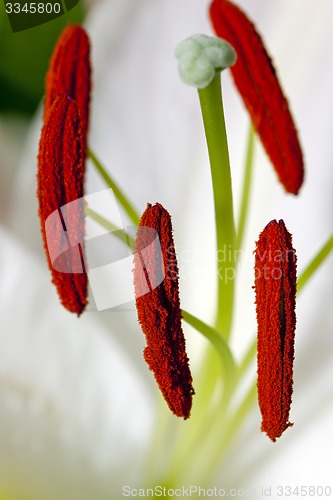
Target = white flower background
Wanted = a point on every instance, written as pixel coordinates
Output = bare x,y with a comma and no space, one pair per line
77,403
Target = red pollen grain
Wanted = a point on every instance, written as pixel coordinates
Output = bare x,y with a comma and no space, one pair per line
158,306
275,289
60,181
70,72
258,85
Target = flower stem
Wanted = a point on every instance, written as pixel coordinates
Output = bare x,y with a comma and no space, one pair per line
226,357
220,446
102,221
110,227
119,194
213,118
314,264
158,439
194,434
246,188
248,358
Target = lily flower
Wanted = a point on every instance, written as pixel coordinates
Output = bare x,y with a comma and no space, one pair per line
78,409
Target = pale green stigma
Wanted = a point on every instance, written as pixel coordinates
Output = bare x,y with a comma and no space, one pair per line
201,57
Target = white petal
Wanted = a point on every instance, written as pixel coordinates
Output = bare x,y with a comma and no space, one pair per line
75,412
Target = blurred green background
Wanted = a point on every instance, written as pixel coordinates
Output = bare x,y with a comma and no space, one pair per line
24,60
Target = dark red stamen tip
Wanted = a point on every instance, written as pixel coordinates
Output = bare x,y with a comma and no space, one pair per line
275,288
258,85
60,181
70,72
158,307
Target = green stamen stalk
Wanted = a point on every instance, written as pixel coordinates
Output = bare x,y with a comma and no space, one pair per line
213,117
109,181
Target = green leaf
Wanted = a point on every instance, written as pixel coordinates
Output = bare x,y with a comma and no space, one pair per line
220,344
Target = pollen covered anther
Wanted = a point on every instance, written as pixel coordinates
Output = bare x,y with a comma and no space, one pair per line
259,87
275,289
158,308
70,73
60,193
61,165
